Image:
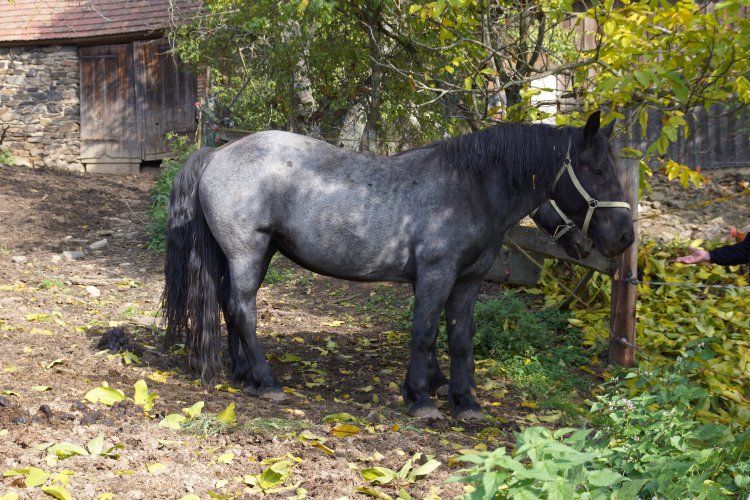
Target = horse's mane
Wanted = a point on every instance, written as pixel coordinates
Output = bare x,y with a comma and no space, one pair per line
525,153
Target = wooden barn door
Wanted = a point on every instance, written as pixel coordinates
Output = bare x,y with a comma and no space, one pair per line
131,96
109,132
165,96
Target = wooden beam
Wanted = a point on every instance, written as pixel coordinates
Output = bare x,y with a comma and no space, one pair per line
536,241
230,134
622,315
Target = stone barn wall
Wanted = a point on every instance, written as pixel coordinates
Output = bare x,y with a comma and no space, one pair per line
40,105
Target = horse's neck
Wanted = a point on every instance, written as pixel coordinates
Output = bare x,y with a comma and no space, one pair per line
511,205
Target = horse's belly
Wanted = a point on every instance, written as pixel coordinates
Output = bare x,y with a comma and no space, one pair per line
348,256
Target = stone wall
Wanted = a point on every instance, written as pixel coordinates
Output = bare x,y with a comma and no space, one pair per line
40,105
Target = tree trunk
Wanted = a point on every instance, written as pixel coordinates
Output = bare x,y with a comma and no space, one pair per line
353,127
376,74
304,105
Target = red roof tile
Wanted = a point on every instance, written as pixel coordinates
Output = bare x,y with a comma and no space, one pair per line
32,20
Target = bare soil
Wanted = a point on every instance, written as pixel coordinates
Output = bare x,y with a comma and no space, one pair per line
334,345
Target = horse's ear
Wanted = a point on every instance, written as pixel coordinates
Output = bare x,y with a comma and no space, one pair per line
607,130
592,126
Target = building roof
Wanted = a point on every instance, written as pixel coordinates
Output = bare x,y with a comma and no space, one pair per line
78,20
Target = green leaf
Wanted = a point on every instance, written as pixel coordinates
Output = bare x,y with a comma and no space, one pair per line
378,475
426,468
67,450
679,88
96,445
605,478
340,417
643,77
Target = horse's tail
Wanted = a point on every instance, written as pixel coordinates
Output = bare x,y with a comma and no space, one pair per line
193,267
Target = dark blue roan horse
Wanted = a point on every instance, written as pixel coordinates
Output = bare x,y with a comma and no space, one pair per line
434,217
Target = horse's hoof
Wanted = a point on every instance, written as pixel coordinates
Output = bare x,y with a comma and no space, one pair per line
470,414
250,389
273,395
427,412
441,391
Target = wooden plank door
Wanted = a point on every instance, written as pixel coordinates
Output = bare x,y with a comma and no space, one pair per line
165,96
109,131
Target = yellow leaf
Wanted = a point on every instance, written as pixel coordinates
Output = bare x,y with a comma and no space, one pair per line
587,369
155,468
529,404
40,388
105,395
173,421
58,361
226,387
57,492
159,376
194,410
227,415
344,430
225,458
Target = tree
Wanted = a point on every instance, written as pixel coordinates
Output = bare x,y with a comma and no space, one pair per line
416,70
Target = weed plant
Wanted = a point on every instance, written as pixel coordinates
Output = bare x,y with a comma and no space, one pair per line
7,158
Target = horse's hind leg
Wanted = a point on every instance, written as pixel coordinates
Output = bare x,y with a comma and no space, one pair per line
249,365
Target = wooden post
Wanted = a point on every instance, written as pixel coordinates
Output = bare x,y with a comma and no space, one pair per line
622,316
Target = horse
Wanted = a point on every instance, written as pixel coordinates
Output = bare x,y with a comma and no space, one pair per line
434,216
562,229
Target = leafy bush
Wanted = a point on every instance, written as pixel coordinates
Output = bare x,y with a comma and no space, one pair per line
182,147
652,445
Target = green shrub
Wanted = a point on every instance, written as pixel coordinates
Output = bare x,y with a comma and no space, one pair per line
653,445
182,147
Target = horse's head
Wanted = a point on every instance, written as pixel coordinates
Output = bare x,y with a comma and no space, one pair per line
588,190
563,230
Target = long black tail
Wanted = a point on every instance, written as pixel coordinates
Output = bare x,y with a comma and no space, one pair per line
193,267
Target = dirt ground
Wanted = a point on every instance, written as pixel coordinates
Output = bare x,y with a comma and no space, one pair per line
334,345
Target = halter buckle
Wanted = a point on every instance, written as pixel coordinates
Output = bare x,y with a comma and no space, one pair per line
593,203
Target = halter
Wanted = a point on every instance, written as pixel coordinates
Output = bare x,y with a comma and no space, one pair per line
561,229
592,202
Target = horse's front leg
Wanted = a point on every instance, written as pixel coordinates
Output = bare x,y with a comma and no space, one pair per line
459,319
430,294
438,383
